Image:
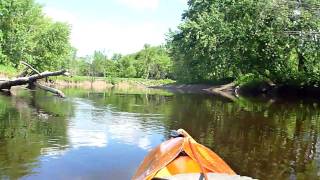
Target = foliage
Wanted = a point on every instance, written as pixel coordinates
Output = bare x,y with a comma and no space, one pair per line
98,63
250,78
149,63
26,34
228,39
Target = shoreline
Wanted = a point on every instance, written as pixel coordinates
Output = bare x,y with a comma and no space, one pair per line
227,90
263,90
230,91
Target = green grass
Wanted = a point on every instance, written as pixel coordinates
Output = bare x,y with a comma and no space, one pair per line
73,78
8,71
146,82
115,80
12,72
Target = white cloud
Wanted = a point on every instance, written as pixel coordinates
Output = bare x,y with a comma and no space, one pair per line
116,37
144,143
59,15
112,37
125,128
141,4
87,138
183,1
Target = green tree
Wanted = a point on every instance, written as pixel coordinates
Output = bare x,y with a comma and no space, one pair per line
153,63
53,48
227,39
26,34
99,63
112,68
126,67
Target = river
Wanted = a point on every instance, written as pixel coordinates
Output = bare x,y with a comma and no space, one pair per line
105,135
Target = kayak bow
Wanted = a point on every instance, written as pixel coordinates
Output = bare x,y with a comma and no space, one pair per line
181,155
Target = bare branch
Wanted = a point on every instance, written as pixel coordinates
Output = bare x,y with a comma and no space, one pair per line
24,72
28,65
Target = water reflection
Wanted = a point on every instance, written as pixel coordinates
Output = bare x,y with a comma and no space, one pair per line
87,132
267,141
26,132
106,135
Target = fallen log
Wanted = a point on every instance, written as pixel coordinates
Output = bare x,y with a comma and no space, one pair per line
30,79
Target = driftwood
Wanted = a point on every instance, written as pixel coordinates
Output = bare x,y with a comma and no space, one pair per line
31,80
228,91
50,89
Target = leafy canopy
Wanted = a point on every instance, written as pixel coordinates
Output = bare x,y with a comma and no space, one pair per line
273,39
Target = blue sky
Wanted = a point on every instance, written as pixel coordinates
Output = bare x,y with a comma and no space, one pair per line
116,26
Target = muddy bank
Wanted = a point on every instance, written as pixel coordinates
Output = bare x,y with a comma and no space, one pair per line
227,90
94,85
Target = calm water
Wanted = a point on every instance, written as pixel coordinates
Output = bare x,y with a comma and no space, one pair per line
106,135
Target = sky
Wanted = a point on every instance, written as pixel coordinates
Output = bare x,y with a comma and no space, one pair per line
116,26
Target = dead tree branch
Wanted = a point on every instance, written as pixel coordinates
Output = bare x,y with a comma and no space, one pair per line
29,66
50,89
30,79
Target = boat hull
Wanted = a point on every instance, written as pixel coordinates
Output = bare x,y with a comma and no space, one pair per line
181,155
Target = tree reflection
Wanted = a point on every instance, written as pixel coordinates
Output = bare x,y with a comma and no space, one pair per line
29,125
265,141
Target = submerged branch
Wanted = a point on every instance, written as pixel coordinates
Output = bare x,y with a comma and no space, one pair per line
50,89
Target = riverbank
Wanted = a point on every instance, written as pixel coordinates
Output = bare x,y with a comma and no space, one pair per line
87,82
262,89
7,72
198,88
100,83
230,91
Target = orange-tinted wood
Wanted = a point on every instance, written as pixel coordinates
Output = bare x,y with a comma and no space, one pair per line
164,160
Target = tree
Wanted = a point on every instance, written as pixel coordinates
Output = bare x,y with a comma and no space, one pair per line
53,48
26,34
153,63
99,63
228,39
127,69
150,63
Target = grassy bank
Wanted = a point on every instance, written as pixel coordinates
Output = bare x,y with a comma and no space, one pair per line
7,71
10,72
114,80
